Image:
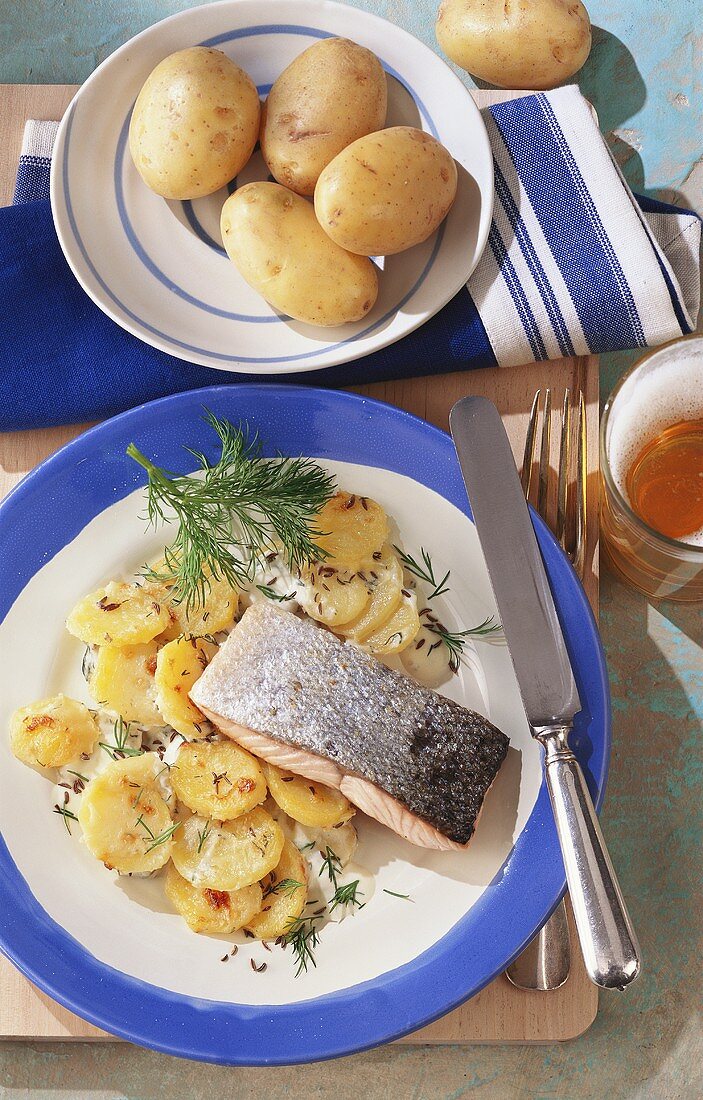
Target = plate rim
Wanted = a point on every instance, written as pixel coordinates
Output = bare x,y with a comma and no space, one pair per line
341,352
388,1019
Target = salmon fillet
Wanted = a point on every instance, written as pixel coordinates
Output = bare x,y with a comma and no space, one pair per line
292,693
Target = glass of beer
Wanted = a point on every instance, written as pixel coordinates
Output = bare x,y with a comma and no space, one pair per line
651,454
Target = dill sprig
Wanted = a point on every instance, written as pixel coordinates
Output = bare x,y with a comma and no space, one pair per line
424,572
241,508
66,814
347,895
285,886
203,834
455,640
157,841
332,864
303,937
271,595
121,746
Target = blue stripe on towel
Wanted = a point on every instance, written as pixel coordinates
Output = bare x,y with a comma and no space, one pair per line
32,182
532,260
517,292
560,200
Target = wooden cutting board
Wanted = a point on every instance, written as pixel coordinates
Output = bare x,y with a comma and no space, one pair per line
500,1013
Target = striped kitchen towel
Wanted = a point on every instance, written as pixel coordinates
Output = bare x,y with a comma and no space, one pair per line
575,263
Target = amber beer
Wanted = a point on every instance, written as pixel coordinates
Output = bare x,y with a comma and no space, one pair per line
652,473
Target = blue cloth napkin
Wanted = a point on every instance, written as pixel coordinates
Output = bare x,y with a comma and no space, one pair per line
574,264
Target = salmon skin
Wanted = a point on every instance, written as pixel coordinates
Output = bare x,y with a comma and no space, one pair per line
295,682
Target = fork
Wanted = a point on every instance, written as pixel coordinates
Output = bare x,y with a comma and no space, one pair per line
546,961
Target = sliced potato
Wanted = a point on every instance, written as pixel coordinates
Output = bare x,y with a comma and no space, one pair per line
206,910
281,906
216,613
218,779
398,632
118,614
385,598
126,822
178,665
123,681
342,840
307,802
354,529
228,855
332,597
52,732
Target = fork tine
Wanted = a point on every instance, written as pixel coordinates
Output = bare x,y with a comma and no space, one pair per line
581,487
528,457
544,455
564,466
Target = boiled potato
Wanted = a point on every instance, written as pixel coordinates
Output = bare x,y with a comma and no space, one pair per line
533,45
228,855
123,681
386,598
331,596
52,732
309,803
218,779
206,910
397,632
330,95
178,665
273,238
386,192
118,614
215,613
194,125
353,528
281,905
125,821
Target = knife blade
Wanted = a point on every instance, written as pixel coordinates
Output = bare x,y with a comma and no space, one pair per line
514,563
546,681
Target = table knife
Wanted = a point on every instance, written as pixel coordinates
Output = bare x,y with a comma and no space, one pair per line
546,681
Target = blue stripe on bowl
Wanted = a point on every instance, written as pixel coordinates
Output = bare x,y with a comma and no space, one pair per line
88,475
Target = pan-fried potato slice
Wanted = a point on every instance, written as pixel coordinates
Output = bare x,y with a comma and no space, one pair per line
216,613
307,802
218,779
354,529
178,665
52,732
228,855
123,681
385,600
285,894
118,614
206,910
341,839
332,597
397,632
126,822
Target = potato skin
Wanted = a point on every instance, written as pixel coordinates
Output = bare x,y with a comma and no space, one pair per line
273,238
330,95
386,192
194,125
524,44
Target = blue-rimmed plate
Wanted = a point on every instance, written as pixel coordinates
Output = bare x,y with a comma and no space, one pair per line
110,948
158,268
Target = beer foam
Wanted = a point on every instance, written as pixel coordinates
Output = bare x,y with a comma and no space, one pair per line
666,389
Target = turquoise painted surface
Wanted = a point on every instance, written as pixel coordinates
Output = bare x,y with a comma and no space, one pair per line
645,78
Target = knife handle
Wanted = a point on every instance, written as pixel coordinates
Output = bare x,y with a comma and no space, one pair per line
608,941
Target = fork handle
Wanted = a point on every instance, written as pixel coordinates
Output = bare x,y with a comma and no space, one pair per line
608,941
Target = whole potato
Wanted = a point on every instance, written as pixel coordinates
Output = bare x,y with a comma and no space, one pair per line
518,44
386,192
194,125
333,93
274,240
